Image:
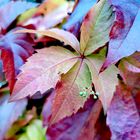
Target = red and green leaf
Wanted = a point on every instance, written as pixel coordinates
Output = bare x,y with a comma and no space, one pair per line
96,27
42,71
124,35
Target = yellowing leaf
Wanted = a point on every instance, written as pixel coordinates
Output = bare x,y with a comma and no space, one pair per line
68,99
105,82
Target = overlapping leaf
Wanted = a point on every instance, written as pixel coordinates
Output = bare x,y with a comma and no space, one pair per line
66,37
15,49
84,125
124,35
33,76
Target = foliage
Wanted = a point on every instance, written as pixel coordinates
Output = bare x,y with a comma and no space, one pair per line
70,67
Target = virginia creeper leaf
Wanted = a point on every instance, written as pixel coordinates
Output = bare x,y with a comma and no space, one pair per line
9,113
66,37
83,6
15,49
43,71
105,82
124,126
124,35
68,99
9,12
96,27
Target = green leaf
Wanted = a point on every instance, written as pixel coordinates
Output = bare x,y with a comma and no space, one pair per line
68,100
105,82
96,27
34,131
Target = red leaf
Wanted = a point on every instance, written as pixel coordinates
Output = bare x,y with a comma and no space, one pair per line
87,124
42,71
124,36
10,11
123,116
68,99
16,48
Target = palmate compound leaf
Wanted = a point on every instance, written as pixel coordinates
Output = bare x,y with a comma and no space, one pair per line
64,103
42,71
124,35
96,27
15,49
105,83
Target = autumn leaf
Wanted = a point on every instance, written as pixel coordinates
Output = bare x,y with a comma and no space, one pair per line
84,71
15,49
124,35
126,125
83,125
96,27
105,83
131,63
9,113
42,71
59,34
68,99
14,10
69,73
